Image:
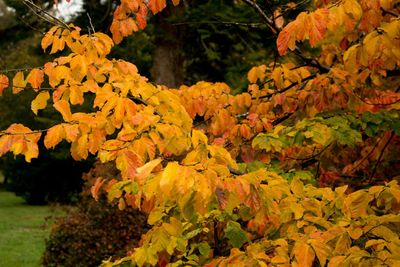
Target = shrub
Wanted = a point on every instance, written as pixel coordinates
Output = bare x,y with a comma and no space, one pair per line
94,230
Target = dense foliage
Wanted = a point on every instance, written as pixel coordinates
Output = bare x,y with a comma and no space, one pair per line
231,179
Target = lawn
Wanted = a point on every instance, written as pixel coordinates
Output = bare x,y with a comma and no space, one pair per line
23,229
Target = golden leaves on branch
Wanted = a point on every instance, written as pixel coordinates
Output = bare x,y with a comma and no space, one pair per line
20,140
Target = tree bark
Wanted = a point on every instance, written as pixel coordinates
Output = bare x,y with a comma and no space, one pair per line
168,57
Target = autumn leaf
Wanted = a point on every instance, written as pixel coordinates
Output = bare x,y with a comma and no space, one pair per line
3,83
54,136
303,254
19,82
63,107
36,78
40,102
157,5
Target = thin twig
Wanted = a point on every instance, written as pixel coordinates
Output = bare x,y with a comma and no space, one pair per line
38,11
270,23
228,23
90,22
380,157
288,87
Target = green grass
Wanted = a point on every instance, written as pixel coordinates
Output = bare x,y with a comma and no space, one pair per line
23,229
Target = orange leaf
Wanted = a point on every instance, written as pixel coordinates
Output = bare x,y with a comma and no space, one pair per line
317,23
54,136
157,5
40,102
141,17
96,187
287,38
175,2
3,83
303,254
36,78
62,106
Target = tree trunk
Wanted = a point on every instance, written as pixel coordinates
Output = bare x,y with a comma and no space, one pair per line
167,68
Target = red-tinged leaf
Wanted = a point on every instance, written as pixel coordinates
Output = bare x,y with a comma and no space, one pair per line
287,38
19,82
63,107
36,78
127,162
157,5
3,83
141,17
71,132
116,34
54,136
47,39
96,188
5,144
317,23
96,139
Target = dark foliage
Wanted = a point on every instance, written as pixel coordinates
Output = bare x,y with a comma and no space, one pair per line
94,230
54,177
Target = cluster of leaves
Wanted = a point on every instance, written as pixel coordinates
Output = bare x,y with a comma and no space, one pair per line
329,118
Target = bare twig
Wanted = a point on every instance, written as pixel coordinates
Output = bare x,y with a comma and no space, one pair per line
46,15
270,23
380,157
228,23
90,21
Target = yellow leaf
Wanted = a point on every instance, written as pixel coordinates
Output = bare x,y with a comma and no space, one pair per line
146,169
168,177
62,106
79,149
353,9
19,82
40,102
297,186
54,136
384,232
198,137
336,261
303,254
356,204
321,249
76,95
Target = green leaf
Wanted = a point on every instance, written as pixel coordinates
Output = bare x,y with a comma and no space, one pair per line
204,249
235,234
